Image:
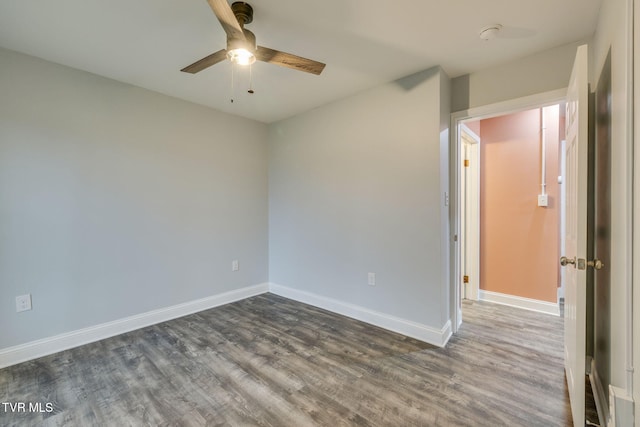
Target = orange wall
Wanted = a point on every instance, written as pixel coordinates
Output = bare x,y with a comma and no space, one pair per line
519,239
474,126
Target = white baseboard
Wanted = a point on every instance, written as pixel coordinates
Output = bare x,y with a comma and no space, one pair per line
35,349
520,302
620,408
437,337
599,395
44,347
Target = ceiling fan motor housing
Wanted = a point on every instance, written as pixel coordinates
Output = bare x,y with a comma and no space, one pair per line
243,12
248,44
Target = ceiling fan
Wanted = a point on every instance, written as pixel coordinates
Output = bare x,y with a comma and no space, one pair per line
241,43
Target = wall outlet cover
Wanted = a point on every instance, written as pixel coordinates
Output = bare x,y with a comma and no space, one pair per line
23,303
372,279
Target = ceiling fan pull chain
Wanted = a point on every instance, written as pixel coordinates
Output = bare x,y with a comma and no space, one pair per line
250,79
232,70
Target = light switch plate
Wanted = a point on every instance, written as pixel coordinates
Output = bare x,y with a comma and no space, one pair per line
543,200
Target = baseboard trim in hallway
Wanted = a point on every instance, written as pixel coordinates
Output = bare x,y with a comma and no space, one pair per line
46,346
520,302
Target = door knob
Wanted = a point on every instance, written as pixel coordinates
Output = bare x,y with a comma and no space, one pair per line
596,264
564,261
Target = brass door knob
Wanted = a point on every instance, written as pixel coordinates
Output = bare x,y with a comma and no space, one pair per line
564,261
596,263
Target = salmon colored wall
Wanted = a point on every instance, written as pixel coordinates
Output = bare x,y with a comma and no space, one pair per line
474,126
519,239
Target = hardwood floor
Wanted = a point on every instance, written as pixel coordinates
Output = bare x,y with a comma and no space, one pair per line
269,361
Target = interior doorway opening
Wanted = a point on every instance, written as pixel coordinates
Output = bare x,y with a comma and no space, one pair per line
510,203
467,144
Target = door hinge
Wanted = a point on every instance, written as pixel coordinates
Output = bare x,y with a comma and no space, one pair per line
465,279
466,163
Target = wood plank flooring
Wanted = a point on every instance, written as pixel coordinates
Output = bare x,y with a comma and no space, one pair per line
269,361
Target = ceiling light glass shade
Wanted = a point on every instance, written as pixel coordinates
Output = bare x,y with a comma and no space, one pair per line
241,56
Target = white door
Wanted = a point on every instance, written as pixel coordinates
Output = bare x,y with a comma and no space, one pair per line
470,208
576,234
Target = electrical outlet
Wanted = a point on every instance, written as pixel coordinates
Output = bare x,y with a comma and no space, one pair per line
235,265
372,279
23,303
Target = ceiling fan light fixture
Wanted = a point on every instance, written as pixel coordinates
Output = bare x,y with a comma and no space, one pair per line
241,56
242,52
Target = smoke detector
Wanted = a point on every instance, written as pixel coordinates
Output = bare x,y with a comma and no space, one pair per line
490,32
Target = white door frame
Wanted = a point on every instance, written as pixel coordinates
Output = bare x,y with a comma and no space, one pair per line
634,346
563,214
470,211
478,113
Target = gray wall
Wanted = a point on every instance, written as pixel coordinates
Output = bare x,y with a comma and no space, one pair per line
357,186
538,73
115,200
446,215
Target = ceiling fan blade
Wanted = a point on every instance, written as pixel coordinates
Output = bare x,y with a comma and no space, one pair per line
206,62
288,60
227,19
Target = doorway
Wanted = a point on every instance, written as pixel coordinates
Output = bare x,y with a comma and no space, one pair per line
460,262
588,234
510,208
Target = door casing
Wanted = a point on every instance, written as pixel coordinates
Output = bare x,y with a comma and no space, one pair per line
470,209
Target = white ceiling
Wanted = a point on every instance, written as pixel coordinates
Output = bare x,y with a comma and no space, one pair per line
363,42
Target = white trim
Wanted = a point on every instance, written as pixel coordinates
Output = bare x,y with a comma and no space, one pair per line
630,132
563,212
635,183
44,347
475,137
520,302
428,334
538,100
599,395
470,211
